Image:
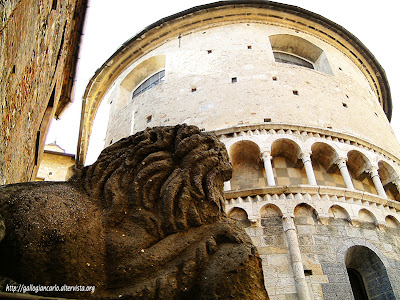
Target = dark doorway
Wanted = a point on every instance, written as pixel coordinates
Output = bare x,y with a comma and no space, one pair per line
367,274
357,285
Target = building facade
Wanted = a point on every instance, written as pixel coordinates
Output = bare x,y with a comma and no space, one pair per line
56,164
303,108
39,45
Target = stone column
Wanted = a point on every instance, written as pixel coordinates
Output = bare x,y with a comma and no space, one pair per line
268,168
377,182
341,162
306,158
295,257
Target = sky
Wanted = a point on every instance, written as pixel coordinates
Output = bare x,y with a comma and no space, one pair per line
108,26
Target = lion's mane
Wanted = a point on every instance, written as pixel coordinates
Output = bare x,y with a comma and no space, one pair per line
171,176
145,221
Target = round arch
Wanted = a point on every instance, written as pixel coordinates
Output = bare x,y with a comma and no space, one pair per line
386,172
305,214
358,164
338,212
365,216
288,167
270,210
286,148
325,155
392,222
248,171
229,142
240,215
294,45
388,175
365,268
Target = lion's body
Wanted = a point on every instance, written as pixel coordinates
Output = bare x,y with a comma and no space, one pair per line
146,221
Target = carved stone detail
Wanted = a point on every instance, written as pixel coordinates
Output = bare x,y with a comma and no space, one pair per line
146,221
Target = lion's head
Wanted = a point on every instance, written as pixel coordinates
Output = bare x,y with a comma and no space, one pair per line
169,178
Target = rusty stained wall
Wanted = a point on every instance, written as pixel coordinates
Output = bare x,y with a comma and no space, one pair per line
38,50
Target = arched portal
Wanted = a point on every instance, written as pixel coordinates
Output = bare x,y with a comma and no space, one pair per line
367,274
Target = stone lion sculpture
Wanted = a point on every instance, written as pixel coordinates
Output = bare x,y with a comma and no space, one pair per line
145,221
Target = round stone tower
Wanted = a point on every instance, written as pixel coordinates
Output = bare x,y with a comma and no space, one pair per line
303,108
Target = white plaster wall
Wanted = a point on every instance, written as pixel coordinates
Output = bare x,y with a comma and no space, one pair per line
218,103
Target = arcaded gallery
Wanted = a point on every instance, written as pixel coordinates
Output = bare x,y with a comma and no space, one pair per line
298,104
303,108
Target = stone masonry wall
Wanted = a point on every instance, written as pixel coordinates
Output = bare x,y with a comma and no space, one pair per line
38,47
323,247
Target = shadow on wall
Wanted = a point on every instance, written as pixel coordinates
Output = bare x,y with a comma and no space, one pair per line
367,274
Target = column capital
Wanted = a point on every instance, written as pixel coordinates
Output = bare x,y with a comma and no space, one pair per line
266,155
305,156
373,170
341,162
288,222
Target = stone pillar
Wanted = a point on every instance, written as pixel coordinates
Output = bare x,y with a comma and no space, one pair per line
341,162
268,168
377,182
306,158
295,257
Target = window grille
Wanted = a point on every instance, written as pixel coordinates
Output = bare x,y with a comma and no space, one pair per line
149,83
287,58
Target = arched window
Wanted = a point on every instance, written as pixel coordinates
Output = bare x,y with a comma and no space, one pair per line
149,83
295,50
292,59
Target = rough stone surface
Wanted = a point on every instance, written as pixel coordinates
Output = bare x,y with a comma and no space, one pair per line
38,49
326,255
145,221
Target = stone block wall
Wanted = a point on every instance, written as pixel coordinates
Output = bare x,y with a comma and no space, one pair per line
328,247
38,53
